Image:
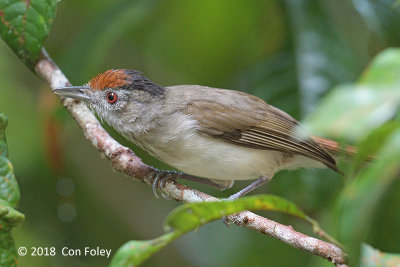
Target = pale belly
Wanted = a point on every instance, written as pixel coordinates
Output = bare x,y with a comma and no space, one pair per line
208,157
183,147
223,161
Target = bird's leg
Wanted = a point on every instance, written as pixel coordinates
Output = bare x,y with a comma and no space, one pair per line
260,181
161,177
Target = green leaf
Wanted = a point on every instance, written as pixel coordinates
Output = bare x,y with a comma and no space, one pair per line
193,215
365,113
135,252
3,140
9,215
384,69
363,107
359,198
9,190
371,257
9,198
24,25
8,253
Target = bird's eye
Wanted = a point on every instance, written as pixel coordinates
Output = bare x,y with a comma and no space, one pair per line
112,97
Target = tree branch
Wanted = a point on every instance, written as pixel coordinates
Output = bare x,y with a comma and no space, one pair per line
124,159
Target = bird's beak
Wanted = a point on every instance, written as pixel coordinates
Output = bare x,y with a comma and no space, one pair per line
76,92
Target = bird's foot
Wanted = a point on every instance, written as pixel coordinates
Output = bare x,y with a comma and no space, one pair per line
160,178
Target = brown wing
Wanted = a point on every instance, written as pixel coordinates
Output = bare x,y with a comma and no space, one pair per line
248,121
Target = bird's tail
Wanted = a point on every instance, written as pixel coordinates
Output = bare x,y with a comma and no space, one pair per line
336,150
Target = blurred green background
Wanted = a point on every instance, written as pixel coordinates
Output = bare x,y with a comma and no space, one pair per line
290,53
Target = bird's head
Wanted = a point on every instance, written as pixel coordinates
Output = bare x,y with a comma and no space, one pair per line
117,95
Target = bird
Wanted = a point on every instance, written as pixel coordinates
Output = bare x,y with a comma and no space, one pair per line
218,135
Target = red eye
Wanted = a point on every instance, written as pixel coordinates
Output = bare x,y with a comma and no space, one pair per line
112,97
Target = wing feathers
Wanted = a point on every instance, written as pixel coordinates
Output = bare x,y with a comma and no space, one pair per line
248,121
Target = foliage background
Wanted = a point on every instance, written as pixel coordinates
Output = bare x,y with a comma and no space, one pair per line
290,53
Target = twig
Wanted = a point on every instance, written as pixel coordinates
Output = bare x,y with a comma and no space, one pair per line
125,160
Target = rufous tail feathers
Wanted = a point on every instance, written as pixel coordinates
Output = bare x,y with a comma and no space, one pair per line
334,148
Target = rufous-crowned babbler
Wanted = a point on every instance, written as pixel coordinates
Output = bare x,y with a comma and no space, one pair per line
218,134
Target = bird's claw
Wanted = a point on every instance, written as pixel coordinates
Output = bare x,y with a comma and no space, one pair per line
160,180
